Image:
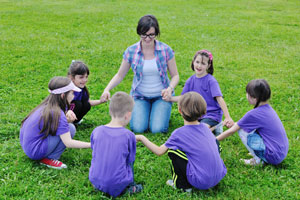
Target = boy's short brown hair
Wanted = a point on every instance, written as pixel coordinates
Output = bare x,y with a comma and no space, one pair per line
192,106
120,104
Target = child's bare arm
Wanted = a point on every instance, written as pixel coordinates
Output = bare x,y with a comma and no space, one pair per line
70,143
95,102
151,146
172,98
227,121
228,132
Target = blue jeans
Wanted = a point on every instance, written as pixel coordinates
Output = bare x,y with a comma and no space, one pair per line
255,144
55,145
212,123
150,113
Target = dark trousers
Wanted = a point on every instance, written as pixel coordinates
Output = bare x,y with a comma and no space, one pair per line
179,162
178,168
80,108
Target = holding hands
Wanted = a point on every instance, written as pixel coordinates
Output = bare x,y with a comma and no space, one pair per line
139,138
167,93
228,122
105,96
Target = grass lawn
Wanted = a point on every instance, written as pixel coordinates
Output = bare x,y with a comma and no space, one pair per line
249,40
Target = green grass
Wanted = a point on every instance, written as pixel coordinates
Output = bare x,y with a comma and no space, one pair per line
249,40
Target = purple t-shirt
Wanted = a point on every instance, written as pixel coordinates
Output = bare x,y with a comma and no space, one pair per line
82,95
266,122
113,153
205,167
209,88
30,138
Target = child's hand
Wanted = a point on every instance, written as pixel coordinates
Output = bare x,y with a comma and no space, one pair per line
228,122
166,93
101,100
139,138
167,98
71,117
105,96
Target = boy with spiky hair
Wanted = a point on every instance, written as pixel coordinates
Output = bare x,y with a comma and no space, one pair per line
114,149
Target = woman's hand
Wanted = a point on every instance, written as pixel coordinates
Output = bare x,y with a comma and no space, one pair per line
167,94
71,117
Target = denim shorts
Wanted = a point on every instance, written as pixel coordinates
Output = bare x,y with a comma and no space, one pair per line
212,123
256,143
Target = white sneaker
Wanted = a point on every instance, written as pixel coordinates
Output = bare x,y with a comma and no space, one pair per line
171,183
251,162
77,123
189,190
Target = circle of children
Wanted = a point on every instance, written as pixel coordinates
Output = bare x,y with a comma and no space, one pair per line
193,148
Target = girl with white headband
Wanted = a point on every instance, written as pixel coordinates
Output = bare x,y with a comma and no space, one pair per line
45,132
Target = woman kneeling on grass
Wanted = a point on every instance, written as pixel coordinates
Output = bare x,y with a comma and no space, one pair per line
192,148
260,129
45,132
150,60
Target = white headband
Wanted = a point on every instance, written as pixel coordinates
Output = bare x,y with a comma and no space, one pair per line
67,88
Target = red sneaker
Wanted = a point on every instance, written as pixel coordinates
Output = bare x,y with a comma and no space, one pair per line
55,164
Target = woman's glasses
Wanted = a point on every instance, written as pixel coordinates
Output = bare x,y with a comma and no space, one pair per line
151,36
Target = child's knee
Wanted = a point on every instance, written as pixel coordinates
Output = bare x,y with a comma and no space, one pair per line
72,129
138,125
242,133
218,130
138,128
86,105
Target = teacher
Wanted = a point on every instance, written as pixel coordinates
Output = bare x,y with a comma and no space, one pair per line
150,61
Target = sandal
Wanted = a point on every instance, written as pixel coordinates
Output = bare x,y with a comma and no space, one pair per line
135,188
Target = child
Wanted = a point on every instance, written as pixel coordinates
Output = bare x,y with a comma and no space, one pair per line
260,129
81,104
205,84
114,150
45,132
192,148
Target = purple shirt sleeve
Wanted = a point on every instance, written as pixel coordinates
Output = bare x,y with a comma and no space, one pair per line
186,87
215,89
63,125
92,140
132,148
248,122
172,142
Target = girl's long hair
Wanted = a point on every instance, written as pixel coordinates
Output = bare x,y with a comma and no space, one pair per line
259,89
52,107
79,68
